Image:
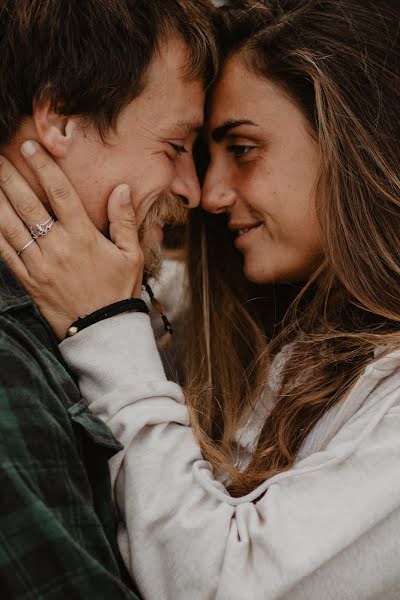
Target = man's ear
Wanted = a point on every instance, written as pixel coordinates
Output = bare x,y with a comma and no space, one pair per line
54,130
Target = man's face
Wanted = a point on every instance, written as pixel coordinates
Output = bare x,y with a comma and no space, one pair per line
151,151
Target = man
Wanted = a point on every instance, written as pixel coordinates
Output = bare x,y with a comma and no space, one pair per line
114,90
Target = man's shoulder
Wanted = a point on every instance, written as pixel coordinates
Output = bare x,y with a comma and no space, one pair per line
17,350
37,434
24,349
34,385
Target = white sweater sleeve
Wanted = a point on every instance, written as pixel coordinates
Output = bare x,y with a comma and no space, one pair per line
327,529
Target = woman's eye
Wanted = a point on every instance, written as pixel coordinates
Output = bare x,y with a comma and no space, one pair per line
239,151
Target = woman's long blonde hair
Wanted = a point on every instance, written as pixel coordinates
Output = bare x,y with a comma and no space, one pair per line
339,60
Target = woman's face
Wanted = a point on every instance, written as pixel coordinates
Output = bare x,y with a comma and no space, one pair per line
263,172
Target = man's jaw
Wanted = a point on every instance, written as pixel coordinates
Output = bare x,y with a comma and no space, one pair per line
155,234
166,210
152,262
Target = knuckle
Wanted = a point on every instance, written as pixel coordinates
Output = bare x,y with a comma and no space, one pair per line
123,228
7,255
27,206
42,281
59,192
88,242
66,257
43,275
11,231
6,176
138,258
40,163
63,257
128,228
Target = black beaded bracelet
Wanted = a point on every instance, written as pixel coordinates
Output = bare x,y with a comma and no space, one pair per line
131,304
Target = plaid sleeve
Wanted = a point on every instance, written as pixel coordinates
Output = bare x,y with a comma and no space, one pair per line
39,558
52,544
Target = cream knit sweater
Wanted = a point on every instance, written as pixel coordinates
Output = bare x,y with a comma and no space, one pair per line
327,529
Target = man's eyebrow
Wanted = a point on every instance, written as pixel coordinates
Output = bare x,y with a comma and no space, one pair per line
185,128
219,133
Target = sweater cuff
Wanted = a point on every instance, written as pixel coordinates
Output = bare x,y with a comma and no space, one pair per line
112,353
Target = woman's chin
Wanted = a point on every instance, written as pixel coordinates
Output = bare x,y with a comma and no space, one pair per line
255,274
263,274
266,274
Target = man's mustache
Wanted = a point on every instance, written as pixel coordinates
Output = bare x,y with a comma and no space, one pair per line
168,209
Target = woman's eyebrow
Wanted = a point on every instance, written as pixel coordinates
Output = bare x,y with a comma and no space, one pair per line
219,133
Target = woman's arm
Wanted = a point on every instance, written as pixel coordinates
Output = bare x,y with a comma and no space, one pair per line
326,529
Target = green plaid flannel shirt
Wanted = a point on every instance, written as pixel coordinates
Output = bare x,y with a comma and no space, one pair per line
57,521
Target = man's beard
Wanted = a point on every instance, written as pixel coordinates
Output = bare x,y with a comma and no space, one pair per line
166,210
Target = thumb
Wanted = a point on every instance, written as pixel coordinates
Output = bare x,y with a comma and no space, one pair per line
123,230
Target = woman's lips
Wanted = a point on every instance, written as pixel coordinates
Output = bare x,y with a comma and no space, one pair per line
245,235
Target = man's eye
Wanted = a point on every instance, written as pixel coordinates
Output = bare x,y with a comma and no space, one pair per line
178,149
239,151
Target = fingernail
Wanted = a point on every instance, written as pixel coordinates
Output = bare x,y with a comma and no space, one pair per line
125,194
29,148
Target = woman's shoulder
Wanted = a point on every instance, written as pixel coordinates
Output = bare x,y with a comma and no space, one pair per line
372,401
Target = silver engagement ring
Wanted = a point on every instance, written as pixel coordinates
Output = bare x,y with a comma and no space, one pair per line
42,229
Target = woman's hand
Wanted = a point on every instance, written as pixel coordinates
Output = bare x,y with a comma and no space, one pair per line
73,270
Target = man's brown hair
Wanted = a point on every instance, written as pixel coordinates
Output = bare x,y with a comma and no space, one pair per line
90,58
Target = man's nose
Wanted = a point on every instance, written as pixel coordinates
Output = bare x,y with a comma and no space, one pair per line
217,195
186,183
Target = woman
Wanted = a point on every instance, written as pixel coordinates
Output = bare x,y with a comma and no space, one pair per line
278,476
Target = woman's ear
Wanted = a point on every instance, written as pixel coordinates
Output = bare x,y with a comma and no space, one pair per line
54,130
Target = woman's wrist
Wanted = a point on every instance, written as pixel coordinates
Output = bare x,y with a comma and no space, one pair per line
106,312
116,352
